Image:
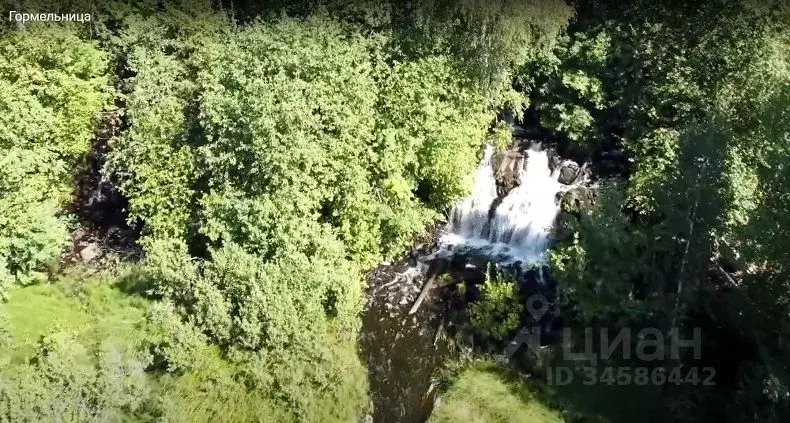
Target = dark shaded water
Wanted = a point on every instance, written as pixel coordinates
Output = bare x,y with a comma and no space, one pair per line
399,348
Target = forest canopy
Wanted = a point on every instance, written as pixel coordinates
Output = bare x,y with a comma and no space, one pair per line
262,159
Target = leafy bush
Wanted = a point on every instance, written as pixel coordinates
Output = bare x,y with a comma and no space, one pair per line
59,385
568,86
497,314
173,344
435,123
53,85
290,324
31,234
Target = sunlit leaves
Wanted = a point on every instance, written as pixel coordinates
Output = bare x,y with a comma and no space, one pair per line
53,85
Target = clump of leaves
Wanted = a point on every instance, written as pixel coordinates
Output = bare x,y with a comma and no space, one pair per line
498,312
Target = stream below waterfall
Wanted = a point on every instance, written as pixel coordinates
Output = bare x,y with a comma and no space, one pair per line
402,350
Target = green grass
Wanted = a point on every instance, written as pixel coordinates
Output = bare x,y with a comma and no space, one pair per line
481,395
97,312
88,306
209,392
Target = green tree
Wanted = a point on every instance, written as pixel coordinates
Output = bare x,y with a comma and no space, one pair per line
54,84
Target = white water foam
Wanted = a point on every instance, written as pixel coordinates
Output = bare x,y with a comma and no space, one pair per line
520,228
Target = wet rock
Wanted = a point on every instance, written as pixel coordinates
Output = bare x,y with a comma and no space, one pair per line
507,171
492,209
90,252
568,172
578,199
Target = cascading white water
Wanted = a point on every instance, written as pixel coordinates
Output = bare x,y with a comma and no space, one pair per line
519,229
470,217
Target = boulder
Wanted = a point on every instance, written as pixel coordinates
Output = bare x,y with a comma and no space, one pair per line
507,168
578,199
90,252
568,172
78,235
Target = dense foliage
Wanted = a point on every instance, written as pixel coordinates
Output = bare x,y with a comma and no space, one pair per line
691,95
272,154
54,87
268,162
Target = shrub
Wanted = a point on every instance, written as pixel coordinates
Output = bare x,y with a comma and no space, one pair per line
498,312
52,85
60,383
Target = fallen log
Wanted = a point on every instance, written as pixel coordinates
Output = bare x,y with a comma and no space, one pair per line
434,271
429,284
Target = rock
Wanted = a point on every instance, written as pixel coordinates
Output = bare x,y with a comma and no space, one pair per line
507,171
78,234
494,204
568,172
90,252
578,199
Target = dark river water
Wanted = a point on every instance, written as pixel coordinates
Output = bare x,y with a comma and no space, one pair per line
399,347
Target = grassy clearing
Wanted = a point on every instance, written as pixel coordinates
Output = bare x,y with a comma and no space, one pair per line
90,307
481,395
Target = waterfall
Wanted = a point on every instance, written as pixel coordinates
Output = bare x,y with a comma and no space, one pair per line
470,217
520,227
